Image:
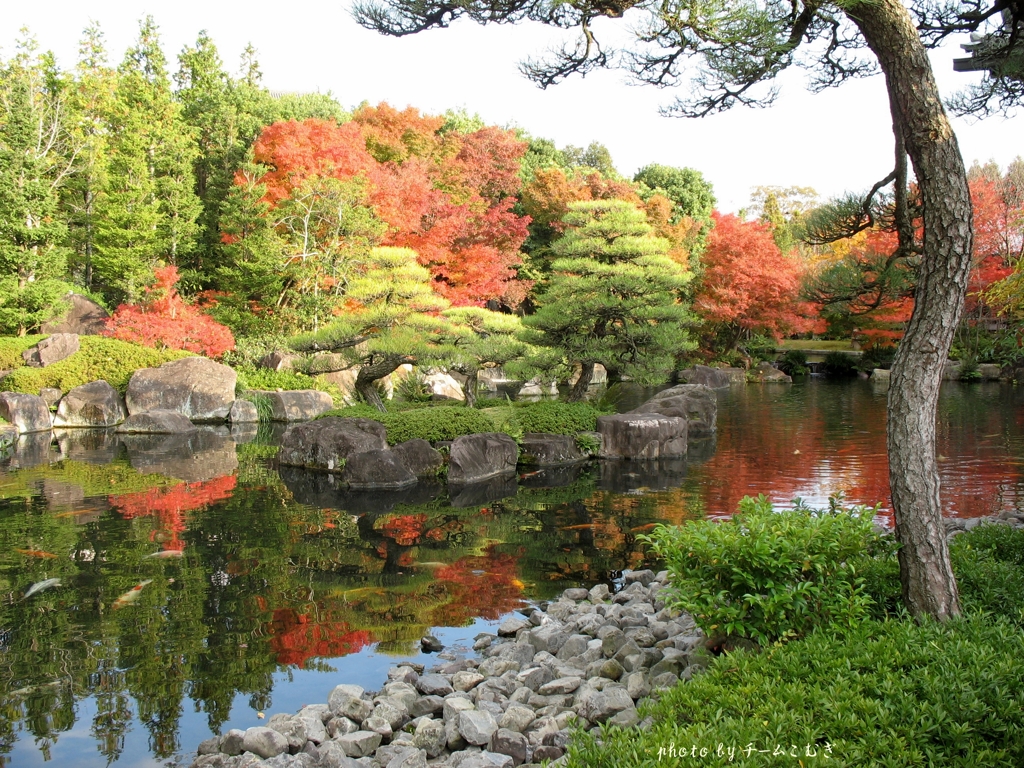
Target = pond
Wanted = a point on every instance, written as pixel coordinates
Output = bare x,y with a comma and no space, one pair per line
199,587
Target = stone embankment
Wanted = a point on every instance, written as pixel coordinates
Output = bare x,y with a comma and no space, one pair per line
583,660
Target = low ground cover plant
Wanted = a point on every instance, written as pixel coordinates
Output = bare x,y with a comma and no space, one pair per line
97,358
11,348
432,424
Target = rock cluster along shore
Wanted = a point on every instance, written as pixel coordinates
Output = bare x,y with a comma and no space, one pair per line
583,660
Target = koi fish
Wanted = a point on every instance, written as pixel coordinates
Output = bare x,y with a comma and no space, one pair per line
580,527
130,596
39,586
164,554
531,474
36,553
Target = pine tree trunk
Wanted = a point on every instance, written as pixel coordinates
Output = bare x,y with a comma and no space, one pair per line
370,373
929,587
579,389
469,388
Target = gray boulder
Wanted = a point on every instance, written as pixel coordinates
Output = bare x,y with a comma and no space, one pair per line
642,436
599,706
419,457
766,373
511,743
26,413
474,458
279,360
51,396
51,350
163,422
197,388
85,317
476,726
714,378
265,742
243,412
377,471
547,450
96,404
297,404
360,743
694,402
327,443
434,685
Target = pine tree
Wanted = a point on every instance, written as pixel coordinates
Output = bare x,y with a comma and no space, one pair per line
613,297
36,154
150,209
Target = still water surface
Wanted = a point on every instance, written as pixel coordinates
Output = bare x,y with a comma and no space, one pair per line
199,586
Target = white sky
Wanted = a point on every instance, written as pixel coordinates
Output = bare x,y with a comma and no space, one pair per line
835,141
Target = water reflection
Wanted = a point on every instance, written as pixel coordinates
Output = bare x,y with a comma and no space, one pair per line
238,574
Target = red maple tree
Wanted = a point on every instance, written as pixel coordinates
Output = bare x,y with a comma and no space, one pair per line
163,320
749,284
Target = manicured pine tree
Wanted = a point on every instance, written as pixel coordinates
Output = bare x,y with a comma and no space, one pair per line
392,320
613,297
35,160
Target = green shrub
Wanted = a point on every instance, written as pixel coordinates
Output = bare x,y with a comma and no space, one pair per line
769,574
98,358
412,388
989,566
877,356
890,693
794,363
441,423
838,364
11,348
557,418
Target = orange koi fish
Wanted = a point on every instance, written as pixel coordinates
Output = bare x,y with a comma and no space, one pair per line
130,596
36,553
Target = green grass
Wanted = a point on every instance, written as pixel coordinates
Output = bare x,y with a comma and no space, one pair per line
822,345
432,424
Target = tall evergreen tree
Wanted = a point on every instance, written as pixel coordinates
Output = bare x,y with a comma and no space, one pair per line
150,209
90,103
613,297
36,157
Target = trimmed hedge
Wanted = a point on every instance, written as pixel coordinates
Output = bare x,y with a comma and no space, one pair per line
557,418
250,377
98,358
440,423
11,348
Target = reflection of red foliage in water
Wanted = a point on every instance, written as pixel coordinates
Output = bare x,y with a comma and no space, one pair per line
485,587
170,505
297,637
406,530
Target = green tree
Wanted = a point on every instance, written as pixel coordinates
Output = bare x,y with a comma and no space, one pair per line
477,338
690,193
740,49
36,159
150,208
613,297
90,103
392,320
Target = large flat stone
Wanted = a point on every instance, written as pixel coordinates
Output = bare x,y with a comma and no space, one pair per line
377,471
197,388
297,404
642,436
326,444
694,402
547,450
479,457
96,404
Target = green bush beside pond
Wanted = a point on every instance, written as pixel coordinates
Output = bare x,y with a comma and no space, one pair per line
439,423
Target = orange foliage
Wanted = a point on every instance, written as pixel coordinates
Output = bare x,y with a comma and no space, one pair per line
449,197
749,282
164,320
406,530
546,198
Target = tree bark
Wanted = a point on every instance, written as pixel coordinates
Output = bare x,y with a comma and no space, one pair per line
929,587
579,389
470,386
370,373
